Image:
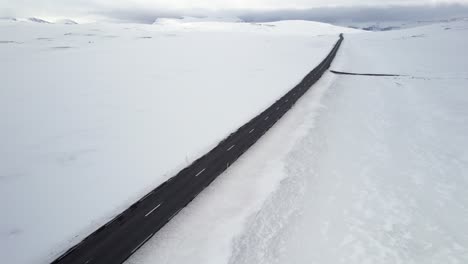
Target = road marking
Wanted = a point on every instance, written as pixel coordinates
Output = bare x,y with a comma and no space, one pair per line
200,172
294,94
230,148
170,179
146,196
266,118
197,194
152,210
81,242
277,108
146,239
287,100
251,130
113,220
173,215
88,261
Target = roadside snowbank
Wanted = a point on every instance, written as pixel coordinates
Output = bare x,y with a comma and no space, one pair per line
385,170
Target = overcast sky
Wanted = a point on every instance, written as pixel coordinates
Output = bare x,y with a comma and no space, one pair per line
147,9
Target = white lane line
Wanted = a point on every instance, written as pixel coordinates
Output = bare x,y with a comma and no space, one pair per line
146,239
81,242
88,261
277,108
294,94
170,179
266,118
197,194
113,220
174,214
287,100
152,210
230,148
251,130
146,196
200,172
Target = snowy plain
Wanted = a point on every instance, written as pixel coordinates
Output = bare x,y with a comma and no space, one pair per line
369,169
94,116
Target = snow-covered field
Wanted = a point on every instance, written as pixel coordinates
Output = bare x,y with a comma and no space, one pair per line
96,115
361,170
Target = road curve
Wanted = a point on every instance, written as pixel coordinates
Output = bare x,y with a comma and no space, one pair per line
118,239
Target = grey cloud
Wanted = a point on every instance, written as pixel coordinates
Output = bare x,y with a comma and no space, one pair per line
147,14
327,14
363,14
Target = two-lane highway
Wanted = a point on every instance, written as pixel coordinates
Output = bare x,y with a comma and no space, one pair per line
121,237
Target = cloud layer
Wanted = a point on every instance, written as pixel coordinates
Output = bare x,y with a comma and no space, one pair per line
146,11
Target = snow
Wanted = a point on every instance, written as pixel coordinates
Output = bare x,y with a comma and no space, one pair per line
362,170
189,19
389,173
96,115
290,27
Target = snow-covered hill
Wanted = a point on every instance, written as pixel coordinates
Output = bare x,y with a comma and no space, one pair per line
96,115
397,24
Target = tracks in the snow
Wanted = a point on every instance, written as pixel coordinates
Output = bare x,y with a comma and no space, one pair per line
366,74
122,236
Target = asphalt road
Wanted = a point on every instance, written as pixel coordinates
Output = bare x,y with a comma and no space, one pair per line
117,240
